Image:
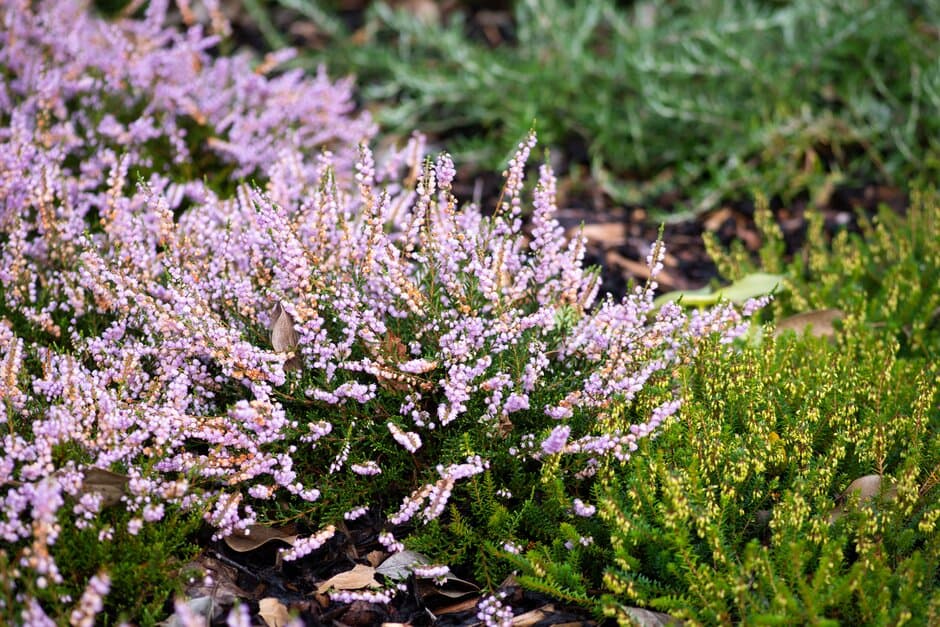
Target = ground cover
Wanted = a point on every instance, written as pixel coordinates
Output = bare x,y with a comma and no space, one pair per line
676,106
260,367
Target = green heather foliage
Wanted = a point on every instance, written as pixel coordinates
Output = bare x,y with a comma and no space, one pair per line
886,276
727,515
780,430
707,99
775,432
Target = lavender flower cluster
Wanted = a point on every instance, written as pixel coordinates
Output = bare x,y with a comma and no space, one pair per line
203,329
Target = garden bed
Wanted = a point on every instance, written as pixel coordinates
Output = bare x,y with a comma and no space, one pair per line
263,365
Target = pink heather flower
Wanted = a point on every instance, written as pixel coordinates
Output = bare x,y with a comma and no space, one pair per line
753,305
92,601
581,509
417,366
445,171
438,571
153,513
387,540
305,546
181,380
558,413
512,547
366,468
340,459
353,514
409,440
134,526
555,442
33,614
516,402
582,540
438,497
474,466
382,597
492,612
261,492
185,616
239,616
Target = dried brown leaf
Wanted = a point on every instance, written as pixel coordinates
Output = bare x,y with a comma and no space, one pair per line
215,580
456,608
867,488
361,576
504,428
375,557
453,588
273,612
284,337
258,535
648,618
110,485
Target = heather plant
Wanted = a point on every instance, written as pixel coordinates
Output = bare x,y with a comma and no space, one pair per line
346,339
730,515
886,274
746,507
90,108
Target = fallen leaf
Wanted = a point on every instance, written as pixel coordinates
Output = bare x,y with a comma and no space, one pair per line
633,268
452,588
426,11
257,536
375,557
717,219
750,286
284,337
273,612
819,323
867,488
647,618
361,576
362,614
639,270
110,485
400,565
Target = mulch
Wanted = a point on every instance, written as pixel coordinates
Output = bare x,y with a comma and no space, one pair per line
251,577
